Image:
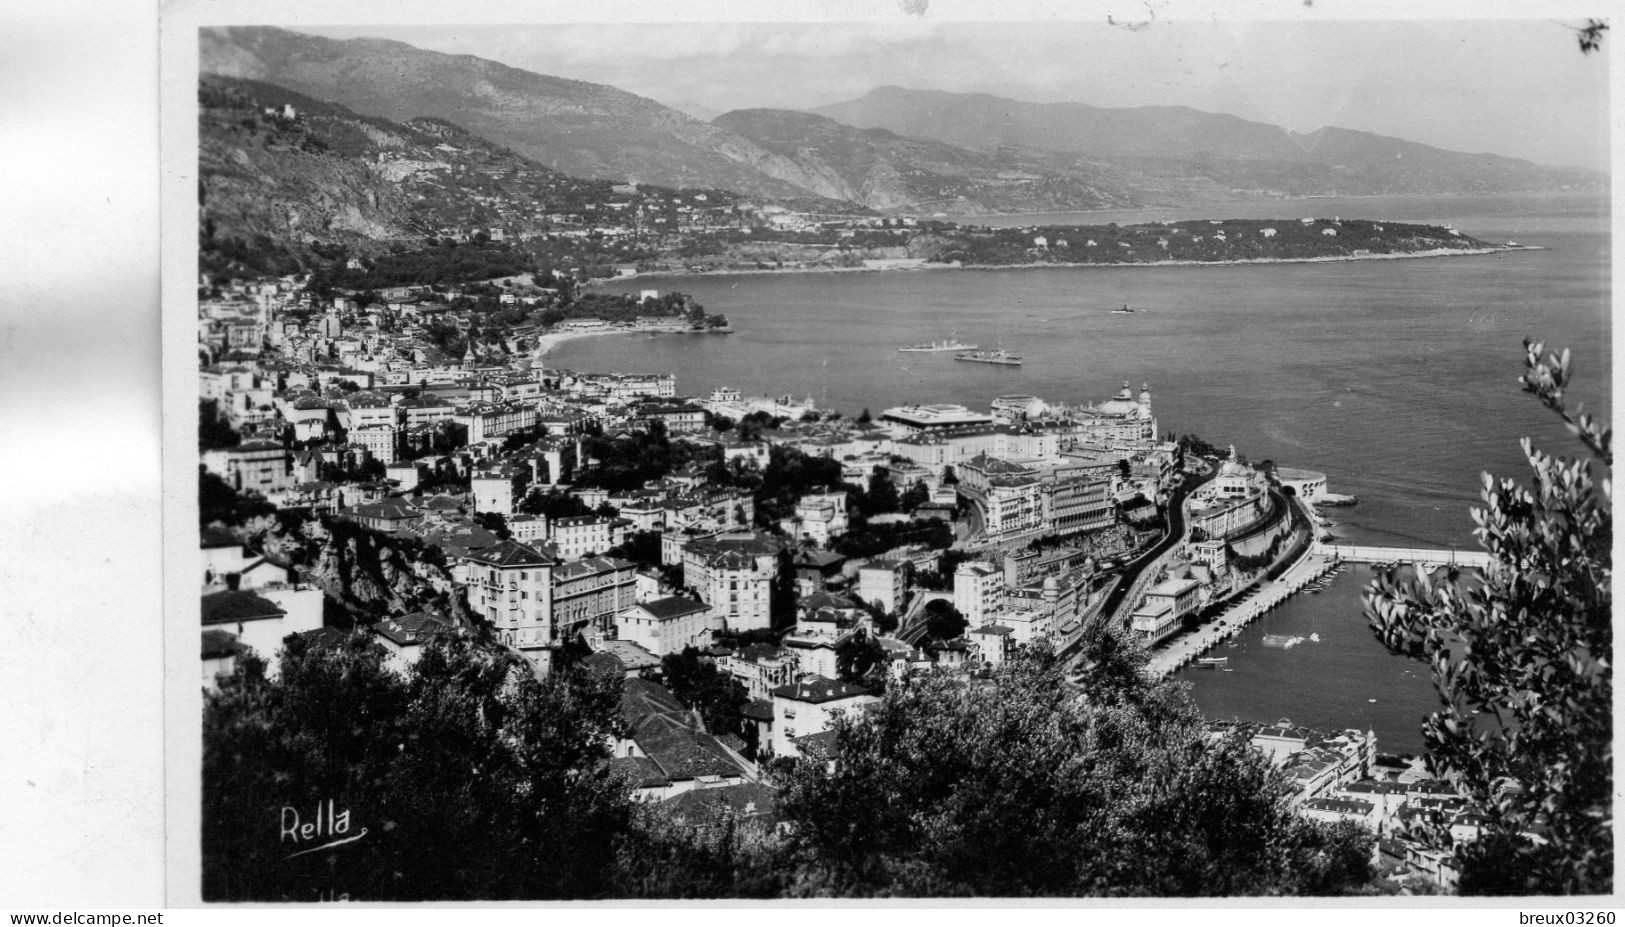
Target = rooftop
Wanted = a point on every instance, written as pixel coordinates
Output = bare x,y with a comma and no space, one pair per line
818,689
509,553
225,607
672,607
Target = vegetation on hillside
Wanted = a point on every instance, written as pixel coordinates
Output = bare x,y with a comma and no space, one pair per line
473,779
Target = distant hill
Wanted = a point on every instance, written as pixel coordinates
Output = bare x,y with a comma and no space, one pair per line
583,129
922,152
1177,141
288,181
882,170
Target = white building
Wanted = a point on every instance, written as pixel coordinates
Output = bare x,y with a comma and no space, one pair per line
978,591
809,707
510,585
255,621
496,490
404,638
582,535
883,583
668,625
914,419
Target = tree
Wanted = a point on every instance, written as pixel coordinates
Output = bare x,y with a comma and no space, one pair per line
882,496
213,433
554,504
861,659
943,622
640,547
218,502
1522,664
494,523
914,497
472,778
1022,787
717,696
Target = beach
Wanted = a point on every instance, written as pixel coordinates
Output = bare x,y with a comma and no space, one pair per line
546,343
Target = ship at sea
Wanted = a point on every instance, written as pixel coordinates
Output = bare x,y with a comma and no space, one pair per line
952,344
1123,311
1000,356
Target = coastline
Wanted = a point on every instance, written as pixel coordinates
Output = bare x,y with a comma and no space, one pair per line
546,343
923,266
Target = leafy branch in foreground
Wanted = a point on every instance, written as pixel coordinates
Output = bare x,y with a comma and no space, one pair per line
1523,661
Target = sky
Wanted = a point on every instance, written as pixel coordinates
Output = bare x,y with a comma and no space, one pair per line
1519,88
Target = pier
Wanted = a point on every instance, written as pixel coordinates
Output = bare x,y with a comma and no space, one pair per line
1422,556
1319,560
1246,609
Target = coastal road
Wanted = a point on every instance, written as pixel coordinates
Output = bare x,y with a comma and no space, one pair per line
1138,574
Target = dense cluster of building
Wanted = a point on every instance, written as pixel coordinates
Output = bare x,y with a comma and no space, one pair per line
352,415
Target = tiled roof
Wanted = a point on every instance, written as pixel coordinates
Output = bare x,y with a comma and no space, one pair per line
509,553
758,653
664,730
217,643
673,607
589,566
631,655
1339,805
817,746
324,638
638,771
409,630
391,509
603,663
747,800
819,689
821,600
223,607
817,558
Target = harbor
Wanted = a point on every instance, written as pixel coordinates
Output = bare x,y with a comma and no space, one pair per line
1336,674
1247,608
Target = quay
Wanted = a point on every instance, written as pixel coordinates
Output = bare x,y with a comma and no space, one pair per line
1476,559
1316,562
1248,607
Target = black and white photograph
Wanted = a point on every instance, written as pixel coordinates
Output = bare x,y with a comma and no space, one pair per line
903,459
912,452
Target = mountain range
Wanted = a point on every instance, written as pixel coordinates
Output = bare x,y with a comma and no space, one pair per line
893,149
1226,149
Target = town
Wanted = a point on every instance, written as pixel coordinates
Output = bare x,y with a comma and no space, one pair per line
361,475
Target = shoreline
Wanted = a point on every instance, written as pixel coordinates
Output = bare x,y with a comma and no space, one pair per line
1237,262
546,343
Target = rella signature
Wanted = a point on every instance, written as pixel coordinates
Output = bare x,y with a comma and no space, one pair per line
328,827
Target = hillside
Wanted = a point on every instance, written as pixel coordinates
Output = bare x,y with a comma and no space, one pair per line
298,177
582,129
885,171
287,181
1186,144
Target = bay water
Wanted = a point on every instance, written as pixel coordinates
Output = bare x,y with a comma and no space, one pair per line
1396,378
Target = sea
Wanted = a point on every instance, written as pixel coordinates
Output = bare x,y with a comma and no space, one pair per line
1398,379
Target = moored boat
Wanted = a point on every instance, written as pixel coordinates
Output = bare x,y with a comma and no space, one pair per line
952,344
990,357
